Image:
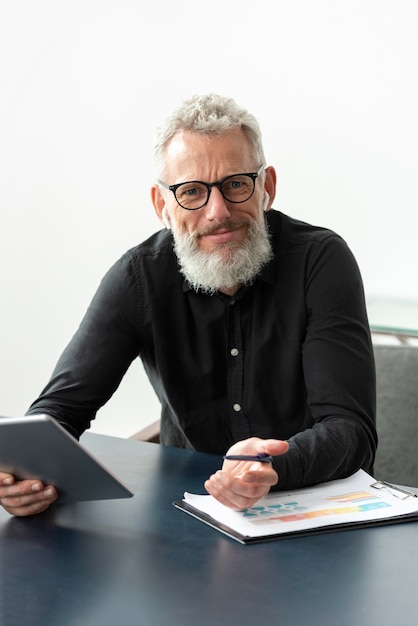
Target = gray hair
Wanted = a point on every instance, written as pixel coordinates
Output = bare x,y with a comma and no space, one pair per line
210,115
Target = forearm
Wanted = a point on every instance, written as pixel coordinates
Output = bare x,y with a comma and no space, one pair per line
334,448
70,415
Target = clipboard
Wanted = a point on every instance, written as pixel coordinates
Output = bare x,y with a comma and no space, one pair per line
39,447
355,502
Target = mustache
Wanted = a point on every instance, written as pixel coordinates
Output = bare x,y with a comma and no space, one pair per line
227,225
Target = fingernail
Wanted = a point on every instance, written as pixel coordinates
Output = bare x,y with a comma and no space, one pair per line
48,492
8,481
36,487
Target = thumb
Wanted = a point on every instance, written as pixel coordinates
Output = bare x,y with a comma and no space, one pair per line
274,447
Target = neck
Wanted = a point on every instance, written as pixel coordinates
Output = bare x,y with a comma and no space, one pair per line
230,291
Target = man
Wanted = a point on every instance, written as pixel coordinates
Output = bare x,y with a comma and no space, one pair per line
251,325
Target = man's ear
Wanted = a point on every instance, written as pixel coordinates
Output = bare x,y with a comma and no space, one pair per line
158,202
270,186
266,201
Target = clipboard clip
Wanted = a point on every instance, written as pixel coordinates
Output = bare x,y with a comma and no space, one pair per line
394,490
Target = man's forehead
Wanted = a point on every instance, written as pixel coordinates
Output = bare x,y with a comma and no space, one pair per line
189,148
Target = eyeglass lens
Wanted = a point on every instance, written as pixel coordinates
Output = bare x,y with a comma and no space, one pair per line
194,195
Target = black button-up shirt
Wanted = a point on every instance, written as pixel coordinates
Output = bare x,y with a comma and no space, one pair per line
289,357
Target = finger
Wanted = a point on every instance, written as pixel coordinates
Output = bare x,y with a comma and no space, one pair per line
246,484
251,472
230,499
250,485
255,445
275,447
25,506
21,487
27,497
234,492
29,509
6,479
261,477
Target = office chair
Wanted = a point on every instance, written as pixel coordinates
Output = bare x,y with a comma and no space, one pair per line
150,433
397,414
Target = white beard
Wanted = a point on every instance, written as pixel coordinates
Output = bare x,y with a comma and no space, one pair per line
232,265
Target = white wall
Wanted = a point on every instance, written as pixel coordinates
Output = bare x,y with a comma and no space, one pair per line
83,85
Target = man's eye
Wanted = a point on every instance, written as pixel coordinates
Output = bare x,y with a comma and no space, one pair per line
192,191
240,184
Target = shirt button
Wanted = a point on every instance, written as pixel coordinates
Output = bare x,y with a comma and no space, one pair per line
234,352
237,407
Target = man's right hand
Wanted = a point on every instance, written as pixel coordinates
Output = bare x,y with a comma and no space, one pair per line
25,497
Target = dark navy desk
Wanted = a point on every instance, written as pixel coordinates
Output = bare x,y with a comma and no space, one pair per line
142,562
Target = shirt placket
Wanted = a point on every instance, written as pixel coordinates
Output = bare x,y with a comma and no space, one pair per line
239,423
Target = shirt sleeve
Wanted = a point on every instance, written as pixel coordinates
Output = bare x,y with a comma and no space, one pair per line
339,374
92,365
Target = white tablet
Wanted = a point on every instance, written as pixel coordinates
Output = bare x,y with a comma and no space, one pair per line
38,447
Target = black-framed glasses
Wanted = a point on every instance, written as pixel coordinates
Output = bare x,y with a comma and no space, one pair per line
194,194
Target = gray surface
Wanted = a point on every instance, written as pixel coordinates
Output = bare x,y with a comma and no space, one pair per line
397,414
38,447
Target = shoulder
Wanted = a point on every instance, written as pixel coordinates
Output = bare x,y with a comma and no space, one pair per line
288,229
156,252
157,246
291,236
154,256
300,244
146,270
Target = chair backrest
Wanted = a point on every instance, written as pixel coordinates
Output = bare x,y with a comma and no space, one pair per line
397,414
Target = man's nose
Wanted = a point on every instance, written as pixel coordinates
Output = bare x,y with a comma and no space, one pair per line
216,208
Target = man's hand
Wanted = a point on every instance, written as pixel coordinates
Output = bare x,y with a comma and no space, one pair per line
25,497
240,484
